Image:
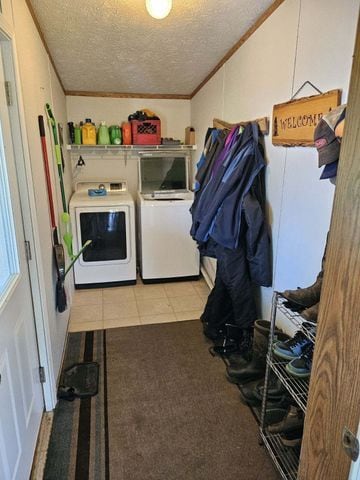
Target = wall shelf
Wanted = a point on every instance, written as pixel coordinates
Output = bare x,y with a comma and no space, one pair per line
124,152
128,148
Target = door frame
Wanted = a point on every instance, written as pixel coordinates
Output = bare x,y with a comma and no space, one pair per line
28,211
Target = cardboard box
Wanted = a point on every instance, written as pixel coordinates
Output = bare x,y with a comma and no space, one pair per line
190,136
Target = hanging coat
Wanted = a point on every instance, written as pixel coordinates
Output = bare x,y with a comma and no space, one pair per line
231,207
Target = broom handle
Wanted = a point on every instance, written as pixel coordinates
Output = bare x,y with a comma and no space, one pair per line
47,171
58,156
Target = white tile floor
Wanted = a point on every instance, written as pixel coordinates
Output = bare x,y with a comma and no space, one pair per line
140,304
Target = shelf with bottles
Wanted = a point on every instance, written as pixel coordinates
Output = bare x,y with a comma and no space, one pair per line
129,148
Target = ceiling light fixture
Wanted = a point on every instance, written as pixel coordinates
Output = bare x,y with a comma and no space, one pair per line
159,8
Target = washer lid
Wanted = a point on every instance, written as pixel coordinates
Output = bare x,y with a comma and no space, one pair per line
164,172
158,197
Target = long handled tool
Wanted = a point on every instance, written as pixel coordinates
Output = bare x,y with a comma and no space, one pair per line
65,217
86,244
57,246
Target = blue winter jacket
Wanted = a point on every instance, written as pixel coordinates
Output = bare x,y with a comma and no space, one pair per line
231,206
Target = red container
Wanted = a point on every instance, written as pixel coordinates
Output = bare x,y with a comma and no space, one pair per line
126,133
147,132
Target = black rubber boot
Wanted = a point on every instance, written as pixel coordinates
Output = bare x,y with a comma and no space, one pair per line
238,360
255,369
253,395
213,333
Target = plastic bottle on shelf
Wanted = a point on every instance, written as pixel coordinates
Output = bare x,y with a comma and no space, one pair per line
126,133
88,132
103,134
77,135
71,132
115,135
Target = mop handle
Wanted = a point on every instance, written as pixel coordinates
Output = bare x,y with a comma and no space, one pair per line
86,244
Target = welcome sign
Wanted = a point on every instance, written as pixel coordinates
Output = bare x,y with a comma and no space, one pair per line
294,122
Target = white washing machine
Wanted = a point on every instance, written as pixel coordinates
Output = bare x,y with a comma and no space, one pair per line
109,221
166,249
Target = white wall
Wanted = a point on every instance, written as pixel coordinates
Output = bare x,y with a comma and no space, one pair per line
40,85
302,40
174,116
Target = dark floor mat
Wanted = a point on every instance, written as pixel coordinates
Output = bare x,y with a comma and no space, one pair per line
81,380
164,411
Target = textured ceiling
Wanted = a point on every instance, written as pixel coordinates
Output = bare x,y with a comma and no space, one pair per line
115,46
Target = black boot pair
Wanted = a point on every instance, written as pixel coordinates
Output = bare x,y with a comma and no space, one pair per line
214,333
277,395
242,370
236,340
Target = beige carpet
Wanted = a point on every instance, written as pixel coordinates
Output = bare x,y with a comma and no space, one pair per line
164,412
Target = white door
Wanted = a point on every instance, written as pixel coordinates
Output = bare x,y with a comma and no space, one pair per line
21,397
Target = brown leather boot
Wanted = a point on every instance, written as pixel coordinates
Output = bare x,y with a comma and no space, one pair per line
310,314
305,297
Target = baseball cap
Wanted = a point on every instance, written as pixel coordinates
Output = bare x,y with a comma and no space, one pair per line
330,170
326,142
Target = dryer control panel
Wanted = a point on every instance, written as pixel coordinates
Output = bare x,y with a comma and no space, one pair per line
118,186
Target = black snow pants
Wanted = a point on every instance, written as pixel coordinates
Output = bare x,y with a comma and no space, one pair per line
232,298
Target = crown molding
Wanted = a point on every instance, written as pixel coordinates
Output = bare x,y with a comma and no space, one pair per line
161,96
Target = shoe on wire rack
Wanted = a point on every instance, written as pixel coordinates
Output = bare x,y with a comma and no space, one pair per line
309,329
293,438
293,420
301,367
310,314
291,348
306,297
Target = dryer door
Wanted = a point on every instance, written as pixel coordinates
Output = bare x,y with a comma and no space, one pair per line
109,230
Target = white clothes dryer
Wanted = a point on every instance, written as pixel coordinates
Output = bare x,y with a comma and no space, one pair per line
103,212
